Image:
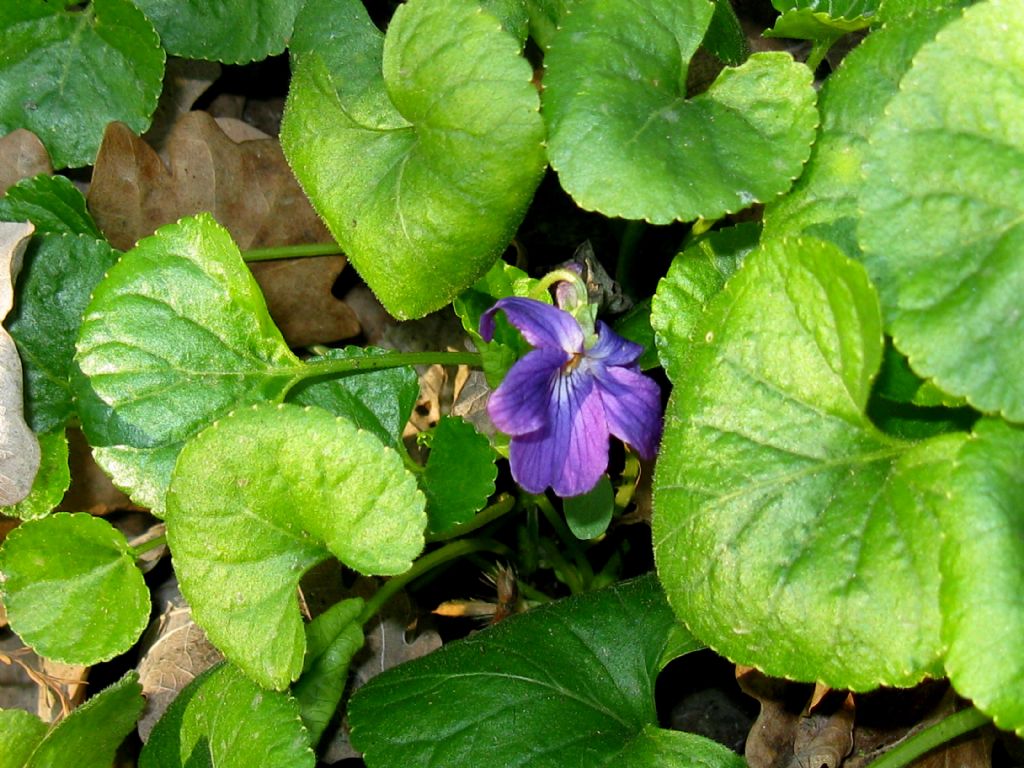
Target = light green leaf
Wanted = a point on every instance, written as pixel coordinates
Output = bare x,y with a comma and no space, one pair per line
92,732
589,514
231,31
577,674
616,109
512,14
67,73
983,575
176,335
52,479
825,201
20,734
695,277
823,21
380,402
223,719
61,272
422,150
790,533
332,639
71,588
244,523
660,748
459,475
52,203
943,223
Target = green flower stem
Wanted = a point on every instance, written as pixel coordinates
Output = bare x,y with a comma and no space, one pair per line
292,251
570,542
146,546
452,551
819,50
945,730
562,567
501,507
391,360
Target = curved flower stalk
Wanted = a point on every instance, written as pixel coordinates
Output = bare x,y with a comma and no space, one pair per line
562,400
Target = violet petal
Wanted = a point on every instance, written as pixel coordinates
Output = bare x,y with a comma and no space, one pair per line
542,325
521,402
612,349
571,452
632,408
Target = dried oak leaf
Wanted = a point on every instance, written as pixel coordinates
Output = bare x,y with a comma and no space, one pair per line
19,449
247,186
22,155
185,80
174,652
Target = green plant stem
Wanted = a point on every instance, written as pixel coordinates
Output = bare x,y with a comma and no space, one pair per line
146,546
391,360
562,567
502,506
945,730
292,251
451,551
572,544
818,52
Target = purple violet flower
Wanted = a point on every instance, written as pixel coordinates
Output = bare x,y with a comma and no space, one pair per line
562,400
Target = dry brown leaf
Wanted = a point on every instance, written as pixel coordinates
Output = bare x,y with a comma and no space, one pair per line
298,294
22,155
174,652
248,187
185,80
19,449
45,688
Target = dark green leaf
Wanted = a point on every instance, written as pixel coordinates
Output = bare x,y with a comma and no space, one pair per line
380,402
422,150
60,274
223,719
52,479
232,31
52,203
791,534
332,639
588,515
263,495
72,589
459,476
635,325
570,683
67,73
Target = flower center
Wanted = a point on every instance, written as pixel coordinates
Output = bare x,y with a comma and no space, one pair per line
572,363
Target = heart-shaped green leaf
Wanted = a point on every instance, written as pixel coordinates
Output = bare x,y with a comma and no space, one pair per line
420,150
224,719
92,732
52,479
627,142
823,21
67,73
61,272
459,475
825,201
695,277
983,575
790,533
244,523
71,588
176,334
332,639
943,224
571,683
232,31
